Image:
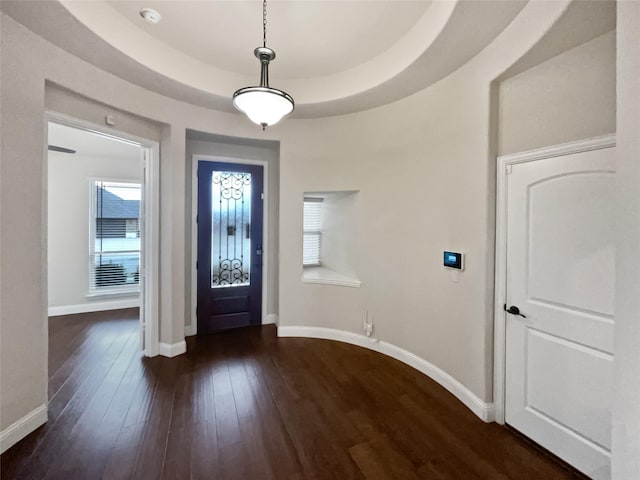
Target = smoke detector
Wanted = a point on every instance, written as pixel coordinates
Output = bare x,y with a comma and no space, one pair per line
150,15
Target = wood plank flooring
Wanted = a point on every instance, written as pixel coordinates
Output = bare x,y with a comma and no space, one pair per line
245,404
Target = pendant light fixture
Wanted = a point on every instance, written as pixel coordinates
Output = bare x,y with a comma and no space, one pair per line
263,105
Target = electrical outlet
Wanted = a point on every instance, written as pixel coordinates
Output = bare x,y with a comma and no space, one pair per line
368,324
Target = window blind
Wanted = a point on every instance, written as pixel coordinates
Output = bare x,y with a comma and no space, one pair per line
312,231
114,246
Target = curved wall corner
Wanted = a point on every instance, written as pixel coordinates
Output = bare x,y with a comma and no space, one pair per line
409,211
485,411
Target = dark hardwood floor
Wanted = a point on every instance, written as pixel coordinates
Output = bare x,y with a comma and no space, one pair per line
245,404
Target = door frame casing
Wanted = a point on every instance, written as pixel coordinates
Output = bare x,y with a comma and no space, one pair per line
193,328
149,296
503,168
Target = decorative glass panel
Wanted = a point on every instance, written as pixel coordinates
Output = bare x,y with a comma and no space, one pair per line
231,235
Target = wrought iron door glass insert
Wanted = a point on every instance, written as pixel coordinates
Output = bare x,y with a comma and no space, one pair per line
230,238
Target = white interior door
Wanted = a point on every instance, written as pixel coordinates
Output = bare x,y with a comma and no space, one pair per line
560,275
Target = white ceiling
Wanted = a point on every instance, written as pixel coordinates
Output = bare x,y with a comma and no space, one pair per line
90,144
333,56
311,38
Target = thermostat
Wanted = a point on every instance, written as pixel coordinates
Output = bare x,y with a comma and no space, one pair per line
454,260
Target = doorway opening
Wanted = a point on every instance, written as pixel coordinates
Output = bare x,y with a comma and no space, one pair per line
230,245
218,303
102,225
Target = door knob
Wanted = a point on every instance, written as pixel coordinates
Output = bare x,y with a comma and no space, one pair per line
513,310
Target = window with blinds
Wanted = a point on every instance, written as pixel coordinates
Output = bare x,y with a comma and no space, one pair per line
114,248
312,231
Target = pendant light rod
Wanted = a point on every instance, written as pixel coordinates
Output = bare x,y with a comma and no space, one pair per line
264,23
263,105
265,55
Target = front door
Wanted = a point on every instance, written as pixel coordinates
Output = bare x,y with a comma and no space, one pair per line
229,245
560,293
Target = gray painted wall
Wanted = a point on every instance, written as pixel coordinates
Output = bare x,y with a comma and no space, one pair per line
569,97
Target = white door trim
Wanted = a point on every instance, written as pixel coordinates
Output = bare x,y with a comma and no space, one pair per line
503,166
151,275
193,328
150,282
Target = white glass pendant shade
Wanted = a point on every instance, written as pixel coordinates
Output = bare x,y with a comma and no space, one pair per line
263,105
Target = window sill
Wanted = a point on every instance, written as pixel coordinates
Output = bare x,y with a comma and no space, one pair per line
112,294
327,276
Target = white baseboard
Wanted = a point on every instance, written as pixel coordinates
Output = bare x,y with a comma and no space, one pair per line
23,427
270,318
95,306
173,349
484,410
190,330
